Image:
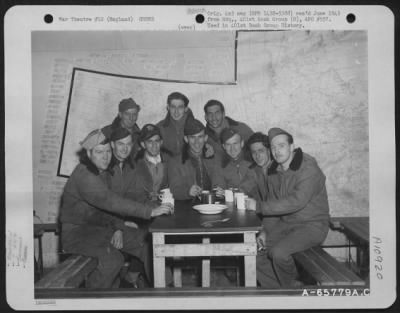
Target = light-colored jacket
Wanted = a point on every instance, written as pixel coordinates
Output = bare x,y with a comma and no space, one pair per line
298,194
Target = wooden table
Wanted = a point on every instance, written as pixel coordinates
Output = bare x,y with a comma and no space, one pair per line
186,222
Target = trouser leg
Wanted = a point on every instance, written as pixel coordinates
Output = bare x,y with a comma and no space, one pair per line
297,238
136,243
95,242
265,272
110,262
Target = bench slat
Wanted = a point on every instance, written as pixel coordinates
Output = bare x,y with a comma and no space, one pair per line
325,269
68,274
340,269
309,264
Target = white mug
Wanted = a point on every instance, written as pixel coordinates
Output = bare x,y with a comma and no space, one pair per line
239,200
170,200
228,195
165,193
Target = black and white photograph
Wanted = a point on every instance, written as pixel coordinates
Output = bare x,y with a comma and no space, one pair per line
237,156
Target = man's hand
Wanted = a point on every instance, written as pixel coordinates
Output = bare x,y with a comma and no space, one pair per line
117,239
219,192
165,208
195,191
262,240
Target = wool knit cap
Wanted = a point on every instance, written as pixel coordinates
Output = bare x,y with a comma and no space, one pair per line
227,133
119,133
275,131
127,104
94,138
193,127
148,131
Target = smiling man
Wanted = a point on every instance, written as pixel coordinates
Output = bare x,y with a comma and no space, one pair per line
297,195
236,170
173,124
128,113
121,164
217,121
92,215
150,175
192,172
259,147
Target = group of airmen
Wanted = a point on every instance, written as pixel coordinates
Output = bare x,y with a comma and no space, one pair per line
113,193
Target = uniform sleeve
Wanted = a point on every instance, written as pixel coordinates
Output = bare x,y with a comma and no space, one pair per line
178,182
94,191
308,185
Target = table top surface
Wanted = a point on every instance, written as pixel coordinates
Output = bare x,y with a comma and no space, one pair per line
187,220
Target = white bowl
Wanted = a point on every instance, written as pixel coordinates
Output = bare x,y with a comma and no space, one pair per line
210,208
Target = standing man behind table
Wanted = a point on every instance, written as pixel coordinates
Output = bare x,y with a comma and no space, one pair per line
236,170
214,112
128,113
172,125
150,175
88,215
297,194
192,171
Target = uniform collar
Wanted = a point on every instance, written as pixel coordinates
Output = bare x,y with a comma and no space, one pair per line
294,165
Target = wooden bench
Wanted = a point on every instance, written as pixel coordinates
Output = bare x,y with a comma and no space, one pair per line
325,270
356,230
69,274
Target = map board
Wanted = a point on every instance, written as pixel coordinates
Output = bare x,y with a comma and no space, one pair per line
312,83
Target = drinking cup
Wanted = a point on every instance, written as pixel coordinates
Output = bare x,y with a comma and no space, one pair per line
207,197
165,193
229,195
168,200
239,200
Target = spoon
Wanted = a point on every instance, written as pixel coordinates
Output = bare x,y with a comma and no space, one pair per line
210,223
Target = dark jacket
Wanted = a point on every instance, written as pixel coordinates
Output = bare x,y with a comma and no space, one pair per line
261,181
182,174
214,140
172,134
142,183
298,194
238,174
120,180
87,200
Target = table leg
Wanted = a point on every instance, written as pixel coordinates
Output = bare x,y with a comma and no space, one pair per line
158,262
177,274
250,272
205,268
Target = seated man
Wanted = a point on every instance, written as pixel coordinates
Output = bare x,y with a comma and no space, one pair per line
89,224
128,112
121,164
191,172
258,145
214,112
150,175
297,194
236,170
